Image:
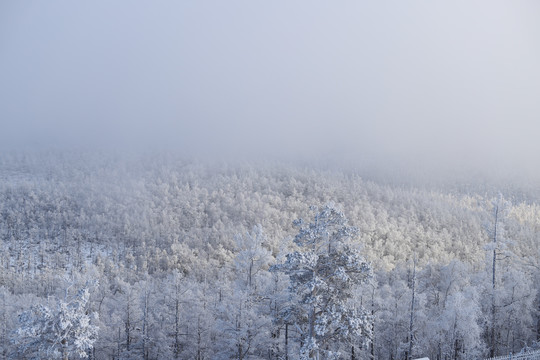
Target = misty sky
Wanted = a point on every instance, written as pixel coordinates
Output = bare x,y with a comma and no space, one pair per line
384,81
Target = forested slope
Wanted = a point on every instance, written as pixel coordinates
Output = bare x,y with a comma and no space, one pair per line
183,252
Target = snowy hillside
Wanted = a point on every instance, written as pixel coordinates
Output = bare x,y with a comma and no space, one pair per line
183,259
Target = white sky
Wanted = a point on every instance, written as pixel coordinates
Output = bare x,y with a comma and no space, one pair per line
390,82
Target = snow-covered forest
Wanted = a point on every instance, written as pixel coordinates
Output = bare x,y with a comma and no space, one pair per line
160,257
277,180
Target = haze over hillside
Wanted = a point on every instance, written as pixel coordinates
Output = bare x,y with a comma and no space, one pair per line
424,88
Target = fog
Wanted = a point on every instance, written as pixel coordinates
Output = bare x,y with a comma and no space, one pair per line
427,86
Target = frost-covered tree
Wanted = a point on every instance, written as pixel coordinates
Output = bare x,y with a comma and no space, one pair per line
323,274
243,326
251,258
498,248
392,319
4,294
452,322
244,315
61,333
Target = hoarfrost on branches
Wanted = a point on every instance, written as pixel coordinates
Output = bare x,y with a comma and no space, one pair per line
47,334
323,275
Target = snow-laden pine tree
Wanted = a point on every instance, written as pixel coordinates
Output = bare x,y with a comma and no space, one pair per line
324,273
50,334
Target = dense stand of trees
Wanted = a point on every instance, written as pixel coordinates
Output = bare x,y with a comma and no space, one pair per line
188,260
